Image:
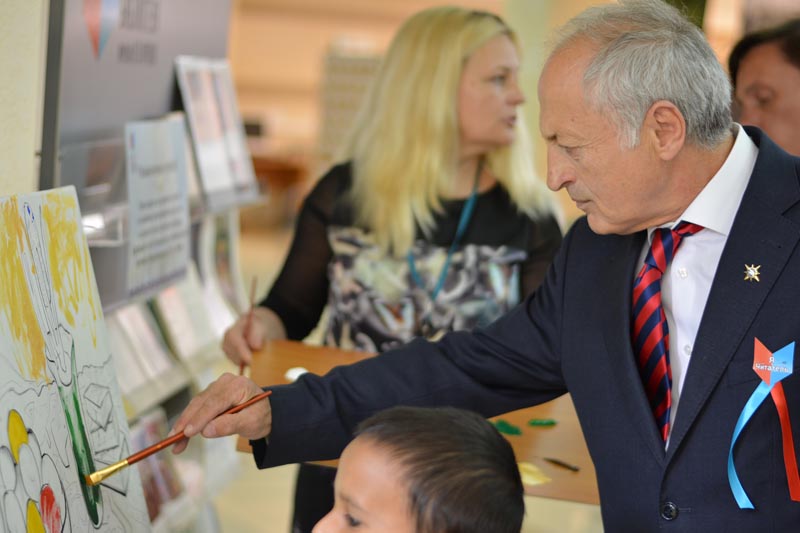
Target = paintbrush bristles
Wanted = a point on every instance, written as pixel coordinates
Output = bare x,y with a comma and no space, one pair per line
96,477
100,475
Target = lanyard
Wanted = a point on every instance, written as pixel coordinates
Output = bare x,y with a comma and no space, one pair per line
463,222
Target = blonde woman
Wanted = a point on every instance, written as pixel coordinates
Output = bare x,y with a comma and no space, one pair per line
434,221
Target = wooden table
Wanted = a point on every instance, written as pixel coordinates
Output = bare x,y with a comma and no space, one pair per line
563,441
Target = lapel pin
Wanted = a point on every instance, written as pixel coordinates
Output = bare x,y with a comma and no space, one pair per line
751,272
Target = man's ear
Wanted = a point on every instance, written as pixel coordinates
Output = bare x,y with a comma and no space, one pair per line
665,128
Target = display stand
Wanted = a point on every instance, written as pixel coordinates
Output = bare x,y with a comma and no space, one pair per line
107,67
166,338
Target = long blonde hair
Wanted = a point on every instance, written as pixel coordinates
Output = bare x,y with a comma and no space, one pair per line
405,140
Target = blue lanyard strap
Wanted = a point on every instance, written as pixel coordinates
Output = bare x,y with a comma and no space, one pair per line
463,222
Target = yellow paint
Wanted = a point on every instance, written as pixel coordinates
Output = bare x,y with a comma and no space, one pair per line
17,433
15,298
531,474
34,522
70,265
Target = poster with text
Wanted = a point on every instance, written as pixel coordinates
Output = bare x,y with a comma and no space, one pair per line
158,205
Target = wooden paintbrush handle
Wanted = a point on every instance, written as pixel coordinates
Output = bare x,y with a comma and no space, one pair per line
150,450
169,441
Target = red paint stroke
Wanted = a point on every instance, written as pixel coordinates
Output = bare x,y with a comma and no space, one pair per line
51,514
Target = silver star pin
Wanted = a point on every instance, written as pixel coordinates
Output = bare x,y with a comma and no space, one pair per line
751,272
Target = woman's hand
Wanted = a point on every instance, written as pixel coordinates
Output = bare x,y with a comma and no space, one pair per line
202,413
239,344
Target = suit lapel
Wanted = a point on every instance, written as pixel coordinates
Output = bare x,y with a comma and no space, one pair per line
618,283
760,235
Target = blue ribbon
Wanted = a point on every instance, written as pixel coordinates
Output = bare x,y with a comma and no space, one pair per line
782,367
756,399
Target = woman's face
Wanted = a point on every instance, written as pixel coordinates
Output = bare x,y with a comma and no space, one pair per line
768,95
488,97
371,494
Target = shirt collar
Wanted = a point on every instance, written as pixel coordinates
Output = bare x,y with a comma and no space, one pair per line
716,205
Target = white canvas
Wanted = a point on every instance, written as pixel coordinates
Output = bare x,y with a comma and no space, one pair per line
61,413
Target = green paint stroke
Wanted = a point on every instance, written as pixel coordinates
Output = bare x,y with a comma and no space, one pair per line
70,401
544,422
507,428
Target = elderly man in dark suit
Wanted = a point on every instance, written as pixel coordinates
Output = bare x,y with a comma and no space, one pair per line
682,278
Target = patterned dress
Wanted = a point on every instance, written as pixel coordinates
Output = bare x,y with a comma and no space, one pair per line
373,301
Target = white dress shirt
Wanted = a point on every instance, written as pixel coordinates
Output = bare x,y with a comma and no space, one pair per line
687,281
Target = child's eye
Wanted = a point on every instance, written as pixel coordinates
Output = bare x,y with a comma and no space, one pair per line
352,522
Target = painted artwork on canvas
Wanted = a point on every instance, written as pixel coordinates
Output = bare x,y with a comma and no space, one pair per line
61,413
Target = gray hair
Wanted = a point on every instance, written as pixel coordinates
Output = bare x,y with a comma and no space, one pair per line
648,51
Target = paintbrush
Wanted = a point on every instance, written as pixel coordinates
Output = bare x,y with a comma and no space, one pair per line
103,473
562,464
249,319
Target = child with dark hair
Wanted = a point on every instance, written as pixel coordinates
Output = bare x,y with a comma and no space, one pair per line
422,470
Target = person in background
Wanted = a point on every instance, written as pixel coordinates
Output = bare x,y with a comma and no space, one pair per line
765,69
434,222
417,470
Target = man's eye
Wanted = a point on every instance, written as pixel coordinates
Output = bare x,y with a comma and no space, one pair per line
500,79
352,522
571,151
763,101
763,97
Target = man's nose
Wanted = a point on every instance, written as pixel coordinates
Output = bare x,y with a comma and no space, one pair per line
558,173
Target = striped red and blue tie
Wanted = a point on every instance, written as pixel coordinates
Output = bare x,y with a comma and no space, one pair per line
650,333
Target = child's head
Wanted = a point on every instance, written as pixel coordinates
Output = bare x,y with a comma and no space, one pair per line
416,470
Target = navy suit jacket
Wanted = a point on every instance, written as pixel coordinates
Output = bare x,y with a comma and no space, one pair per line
572,336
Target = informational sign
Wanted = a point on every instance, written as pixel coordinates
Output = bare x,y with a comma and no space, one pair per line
158,217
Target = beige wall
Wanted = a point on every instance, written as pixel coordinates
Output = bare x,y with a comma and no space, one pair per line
23,33
723,25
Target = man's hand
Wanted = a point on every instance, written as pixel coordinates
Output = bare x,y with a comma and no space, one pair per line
201,415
